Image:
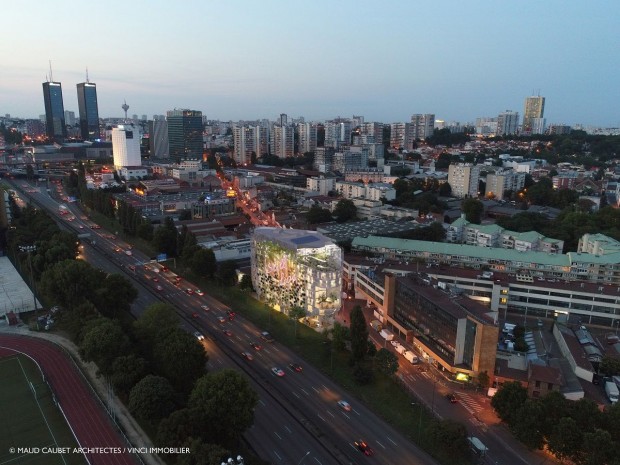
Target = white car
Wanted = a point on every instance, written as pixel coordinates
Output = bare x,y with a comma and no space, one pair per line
199,336
277,371
395,343
344,405
205,308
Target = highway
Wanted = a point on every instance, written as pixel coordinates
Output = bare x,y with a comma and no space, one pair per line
297,418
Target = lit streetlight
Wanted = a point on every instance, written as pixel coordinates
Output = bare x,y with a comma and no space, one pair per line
29,249
302,459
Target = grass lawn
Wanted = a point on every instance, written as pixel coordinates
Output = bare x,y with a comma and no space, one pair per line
29,418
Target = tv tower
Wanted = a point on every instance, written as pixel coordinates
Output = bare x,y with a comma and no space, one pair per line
125,107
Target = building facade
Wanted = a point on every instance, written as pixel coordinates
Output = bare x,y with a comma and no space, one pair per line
463,179
283,141
534,109
307,137
126,146
158,138
507,123
54,111
185,134
89,110
296,268
502,181
422,126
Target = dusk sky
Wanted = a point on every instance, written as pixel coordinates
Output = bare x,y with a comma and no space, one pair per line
318,59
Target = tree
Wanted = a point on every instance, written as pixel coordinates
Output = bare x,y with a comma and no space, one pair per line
103,341
473,209
115,295
483,380
387,362
152,398
359,334
340,334
362,375
508,399
228,272
246,283
318,215
345,210
75,320
127,370
179,426
610,366
226,401
526,426
203,262
296,313
445,190
566,439
180,358
155,323
70,282
599,448
165,238
202,453
449,437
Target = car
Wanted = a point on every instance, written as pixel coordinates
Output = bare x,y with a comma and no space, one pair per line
156,279
132,267
221,319
265,336
199,336
277,371
189,291
81,227
296,367
364,448
159,288
344,405
195,315
228,332
255,346
199,292
394,343
247,355
128,252
231,314
452,398
118,249
205,308
422,368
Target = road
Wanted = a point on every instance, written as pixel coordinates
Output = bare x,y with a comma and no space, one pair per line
297,413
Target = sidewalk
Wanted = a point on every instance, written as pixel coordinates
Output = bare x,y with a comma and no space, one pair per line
131,429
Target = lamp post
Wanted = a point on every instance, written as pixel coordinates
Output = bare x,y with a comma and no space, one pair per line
231,461
302,459
617,323
29,249
433,402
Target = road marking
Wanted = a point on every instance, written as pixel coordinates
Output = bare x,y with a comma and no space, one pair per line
305,392
319,415
261,402
390,439
317,460
380,444
326,388
357,412
288,429
346,415
277,455
331,414
315,389
295,394
276,433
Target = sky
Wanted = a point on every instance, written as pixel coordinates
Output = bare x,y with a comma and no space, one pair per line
254,59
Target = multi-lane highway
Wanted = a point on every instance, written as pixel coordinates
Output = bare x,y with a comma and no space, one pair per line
297,418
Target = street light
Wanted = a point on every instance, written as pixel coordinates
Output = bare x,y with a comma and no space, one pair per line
302,459
29,249
617,323
231,461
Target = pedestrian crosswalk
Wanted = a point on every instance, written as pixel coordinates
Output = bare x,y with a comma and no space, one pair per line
469,403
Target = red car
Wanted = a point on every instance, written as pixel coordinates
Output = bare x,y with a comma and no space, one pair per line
228,332
255,346
364,448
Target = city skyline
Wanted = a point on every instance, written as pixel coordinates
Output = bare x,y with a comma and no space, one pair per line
251,60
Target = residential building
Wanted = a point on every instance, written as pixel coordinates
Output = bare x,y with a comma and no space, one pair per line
126,146
54,111
69,118
502,181
422,126
322,185
89,110
307,137
463,179
400,136
243,138
507,123
185,135
282,141
296,268
324,159
375,191
534,110
351,158
373,133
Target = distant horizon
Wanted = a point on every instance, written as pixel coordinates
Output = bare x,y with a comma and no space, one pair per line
249,60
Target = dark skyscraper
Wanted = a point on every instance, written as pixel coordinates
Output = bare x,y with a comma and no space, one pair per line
185,135
89,112
54,111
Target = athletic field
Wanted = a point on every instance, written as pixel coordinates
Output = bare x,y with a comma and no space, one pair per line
32,428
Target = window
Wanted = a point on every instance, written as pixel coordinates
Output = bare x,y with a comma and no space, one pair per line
537,384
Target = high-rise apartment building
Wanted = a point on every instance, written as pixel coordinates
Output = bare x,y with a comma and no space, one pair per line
507,123
126,146
463,179
422,126
185,135
158,138
534,109
324,159
307,137
69,118
282,141
400,136
89,110
498,183
54,111
246,140
373,133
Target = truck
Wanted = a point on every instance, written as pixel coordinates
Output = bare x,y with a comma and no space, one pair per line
411,357
386,334
400,349
612,391
376,325
477,446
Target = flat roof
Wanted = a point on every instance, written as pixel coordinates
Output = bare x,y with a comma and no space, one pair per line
15,295
294,238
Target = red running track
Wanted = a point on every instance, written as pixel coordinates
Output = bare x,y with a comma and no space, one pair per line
85,414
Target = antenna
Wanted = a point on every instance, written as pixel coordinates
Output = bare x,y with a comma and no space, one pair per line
51,75
125,107
87,81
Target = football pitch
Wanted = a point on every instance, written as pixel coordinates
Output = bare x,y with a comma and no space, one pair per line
32,428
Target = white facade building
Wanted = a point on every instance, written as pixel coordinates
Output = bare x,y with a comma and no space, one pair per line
321,185
507,123
498,183
463,179
422,126
307,137
126,146
296,268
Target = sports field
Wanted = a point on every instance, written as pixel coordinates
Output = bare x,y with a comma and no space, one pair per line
32,428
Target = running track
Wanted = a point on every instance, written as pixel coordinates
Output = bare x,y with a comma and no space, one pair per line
86,416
